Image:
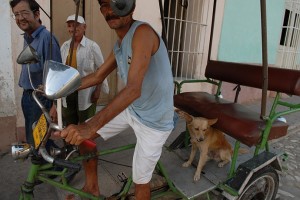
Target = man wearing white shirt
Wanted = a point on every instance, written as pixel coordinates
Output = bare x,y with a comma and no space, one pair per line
81,105
86,58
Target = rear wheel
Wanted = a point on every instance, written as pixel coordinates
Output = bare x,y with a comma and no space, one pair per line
262,185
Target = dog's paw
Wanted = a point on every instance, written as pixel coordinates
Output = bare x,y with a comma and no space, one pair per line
221,164
196,177
186,164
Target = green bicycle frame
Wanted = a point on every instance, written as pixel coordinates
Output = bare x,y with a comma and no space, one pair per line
41,172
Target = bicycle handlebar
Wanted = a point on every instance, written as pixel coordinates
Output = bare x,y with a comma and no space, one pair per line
53,126
59,162
67,164
87,143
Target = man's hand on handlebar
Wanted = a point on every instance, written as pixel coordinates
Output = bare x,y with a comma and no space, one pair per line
76,134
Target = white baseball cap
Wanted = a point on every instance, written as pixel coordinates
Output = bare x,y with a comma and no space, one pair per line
79,19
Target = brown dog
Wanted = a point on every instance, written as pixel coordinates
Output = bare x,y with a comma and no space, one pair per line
210,141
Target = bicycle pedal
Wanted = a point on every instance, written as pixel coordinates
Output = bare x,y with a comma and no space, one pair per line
122,177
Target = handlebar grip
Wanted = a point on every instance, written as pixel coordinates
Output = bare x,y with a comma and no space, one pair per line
67,164
89,144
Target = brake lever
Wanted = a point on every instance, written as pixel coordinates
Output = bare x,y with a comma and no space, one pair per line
52,126
63,163
90,144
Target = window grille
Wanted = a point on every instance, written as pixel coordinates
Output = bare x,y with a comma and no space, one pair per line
187,36
288,54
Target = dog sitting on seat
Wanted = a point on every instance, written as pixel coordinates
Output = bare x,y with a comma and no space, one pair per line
210,141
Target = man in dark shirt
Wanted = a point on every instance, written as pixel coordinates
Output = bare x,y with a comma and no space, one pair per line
27,16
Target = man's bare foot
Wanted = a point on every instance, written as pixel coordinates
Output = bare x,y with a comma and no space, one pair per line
75,197
92,191
70,197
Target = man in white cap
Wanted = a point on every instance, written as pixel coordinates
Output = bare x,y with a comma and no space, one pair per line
86,58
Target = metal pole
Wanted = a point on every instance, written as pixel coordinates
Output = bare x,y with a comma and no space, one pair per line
164,35
264,57
51,29
212,30
69,61
51,32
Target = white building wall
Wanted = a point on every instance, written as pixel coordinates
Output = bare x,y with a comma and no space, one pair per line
148,11
7,93
16,45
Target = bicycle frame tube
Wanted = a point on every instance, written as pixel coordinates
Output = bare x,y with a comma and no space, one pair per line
40,172
27,187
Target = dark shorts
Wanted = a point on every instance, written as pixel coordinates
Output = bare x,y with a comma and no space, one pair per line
72,115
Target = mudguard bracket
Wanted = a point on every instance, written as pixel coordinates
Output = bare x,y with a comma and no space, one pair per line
245,171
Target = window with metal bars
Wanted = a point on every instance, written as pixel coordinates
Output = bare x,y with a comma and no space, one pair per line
288,54
186,36
290,26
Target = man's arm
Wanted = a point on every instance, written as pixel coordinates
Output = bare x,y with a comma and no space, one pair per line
96,93
145,43
98,61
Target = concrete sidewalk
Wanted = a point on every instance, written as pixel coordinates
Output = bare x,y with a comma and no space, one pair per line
13,174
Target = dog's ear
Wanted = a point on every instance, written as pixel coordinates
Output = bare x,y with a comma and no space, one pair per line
184,115
212,121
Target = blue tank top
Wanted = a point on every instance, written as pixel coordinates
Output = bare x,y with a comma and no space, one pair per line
155,107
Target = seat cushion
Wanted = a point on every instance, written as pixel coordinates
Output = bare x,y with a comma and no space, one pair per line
234,119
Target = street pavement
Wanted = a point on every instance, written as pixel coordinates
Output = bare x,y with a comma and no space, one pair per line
13,174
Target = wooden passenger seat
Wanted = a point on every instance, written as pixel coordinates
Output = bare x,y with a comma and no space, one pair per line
235,119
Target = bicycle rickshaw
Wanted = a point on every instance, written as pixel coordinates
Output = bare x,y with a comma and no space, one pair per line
251,176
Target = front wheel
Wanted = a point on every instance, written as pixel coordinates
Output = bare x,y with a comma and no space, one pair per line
262,185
